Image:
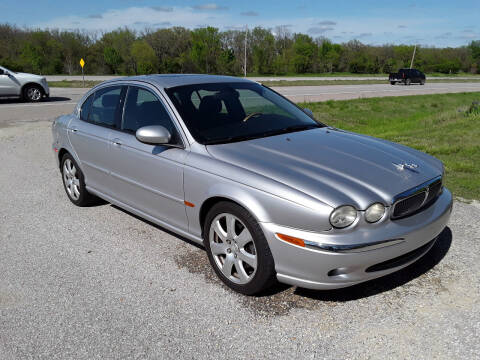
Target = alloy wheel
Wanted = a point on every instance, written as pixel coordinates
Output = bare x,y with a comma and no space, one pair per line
71,179
34,94
233,248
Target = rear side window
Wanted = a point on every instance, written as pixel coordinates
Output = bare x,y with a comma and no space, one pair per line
106,106
143,108
85,109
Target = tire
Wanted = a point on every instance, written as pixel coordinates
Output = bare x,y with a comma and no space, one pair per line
74,182
422,82
229,247
33,93
393,82
408,82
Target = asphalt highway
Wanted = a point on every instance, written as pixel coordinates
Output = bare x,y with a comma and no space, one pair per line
63,100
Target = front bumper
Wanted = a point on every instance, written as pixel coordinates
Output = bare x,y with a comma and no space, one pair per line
339,261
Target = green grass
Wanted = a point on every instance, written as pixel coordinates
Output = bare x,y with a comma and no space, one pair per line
435,124
73,83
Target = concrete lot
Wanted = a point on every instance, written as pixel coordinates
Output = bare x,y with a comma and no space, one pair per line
97,282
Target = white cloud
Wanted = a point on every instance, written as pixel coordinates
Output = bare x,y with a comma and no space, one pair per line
371,29
210,6
320,29
327,22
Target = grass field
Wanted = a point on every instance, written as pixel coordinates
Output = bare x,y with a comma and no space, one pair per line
73,83
436,124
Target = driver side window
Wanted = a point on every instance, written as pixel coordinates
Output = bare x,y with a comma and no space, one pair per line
143,108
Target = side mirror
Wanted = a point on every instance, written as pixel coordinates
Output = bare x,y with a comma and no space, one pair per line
308,112
153,134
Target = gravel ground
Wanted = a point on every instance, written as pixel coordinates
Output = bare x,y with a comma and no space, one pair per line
97,282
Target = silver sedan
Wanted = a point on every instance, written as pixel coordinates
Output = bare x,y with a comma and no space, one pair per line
272,194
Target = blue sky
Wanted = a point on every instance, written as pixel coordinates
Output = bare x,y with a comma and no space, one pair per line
429,22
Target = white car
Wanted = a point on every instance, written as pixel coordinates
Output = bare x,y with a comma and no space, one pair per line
29,87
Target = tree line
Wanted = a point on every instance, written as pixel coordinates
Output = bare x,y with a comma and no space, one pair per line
208,50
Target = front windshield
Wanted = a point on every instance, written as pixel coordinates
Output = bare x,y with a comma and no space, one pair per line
218,113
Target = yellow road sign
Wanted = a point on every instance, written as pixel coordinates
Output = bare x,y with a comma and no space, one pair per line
82,63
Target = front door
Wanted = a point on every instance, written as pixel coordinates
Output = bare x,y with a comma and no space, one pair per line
148,177
8,84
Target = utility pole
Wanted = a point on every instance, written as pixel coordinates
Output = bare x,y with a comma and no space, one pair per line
413,56
245,53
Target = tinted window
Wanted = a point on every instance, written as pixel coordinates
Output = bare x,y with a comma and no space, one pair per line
143,108
226,112
106,106
85,110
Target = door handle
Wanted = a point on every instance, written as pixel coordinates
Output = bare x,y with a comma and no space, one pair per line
74,130
117,142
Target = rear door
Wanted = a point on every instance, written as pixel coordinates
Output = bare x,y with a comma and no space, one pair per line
148,177
90,133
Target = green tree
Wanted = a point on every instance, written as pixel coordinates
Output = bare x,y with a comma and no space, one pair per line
263,50
144,57
112,59
206,48
304,53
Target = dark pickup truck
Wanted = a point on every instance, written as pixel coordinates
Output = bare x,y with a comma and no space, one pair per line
407,77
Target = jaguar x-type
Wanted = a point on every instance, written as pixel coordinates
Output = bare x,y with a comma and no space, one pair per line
271,193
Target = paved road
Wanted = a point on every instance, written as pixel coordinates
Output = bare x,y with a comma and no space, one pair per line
97,282
63,100
259,78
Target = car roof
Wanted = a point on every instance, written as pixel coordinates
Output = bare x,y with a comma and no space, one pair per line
173,80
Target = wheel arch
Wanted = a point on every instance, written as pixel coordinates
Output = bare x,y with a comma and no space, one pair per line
31,83
61,154
253,208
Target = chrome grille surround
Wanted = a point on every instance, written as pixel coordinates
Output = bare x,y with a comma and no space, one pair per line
416,198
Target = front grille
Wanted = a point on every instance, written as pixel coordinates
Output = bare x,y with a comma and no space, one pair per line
417,199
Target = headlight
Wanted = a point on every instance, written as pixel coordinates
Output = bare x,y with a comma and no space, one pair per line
343,216
374,212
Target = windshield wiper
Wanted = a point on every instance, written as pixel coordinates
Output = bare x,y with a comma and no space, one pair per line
284,130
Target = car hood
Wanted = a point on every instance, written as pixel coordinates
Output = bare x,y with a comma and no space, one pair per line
27,76
333,166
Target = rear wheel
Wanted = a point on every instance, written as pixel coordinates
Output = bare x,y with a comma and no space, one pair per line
408,82
74,183
422,82
393,82
237,249
32,93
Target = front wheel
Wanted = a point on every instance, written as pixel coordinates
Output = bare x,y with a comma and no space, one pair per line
422,82
392,82
33,93
408,82
237,249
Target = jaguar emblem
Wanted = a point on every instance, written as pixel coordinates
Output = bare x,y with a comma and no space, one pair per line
406,166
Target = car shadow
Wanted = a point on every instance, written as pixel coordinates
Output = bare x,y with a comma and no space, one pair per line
388,282
157,226
16,100
363,290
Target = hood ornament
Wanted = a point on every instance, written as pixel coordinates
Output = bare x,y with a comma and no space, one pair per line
404,165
